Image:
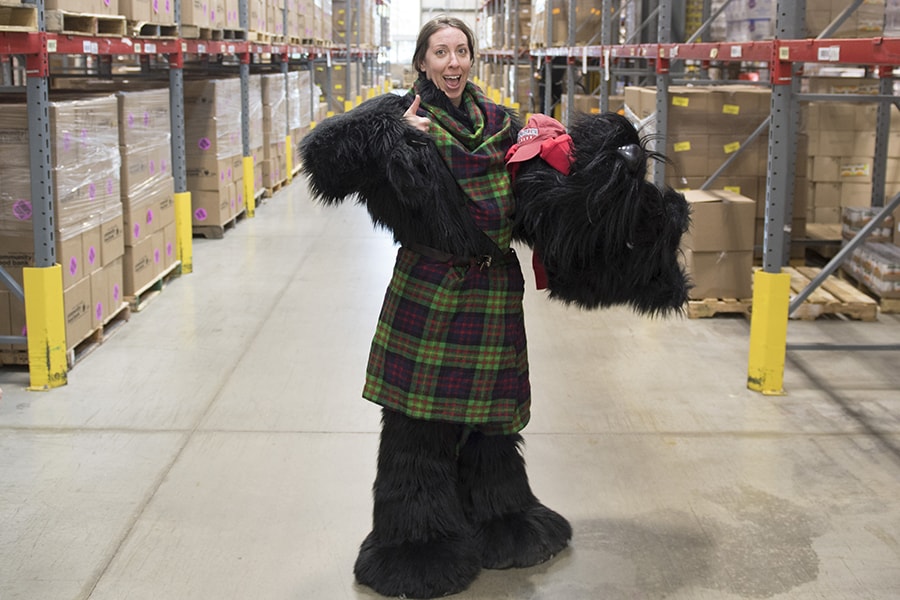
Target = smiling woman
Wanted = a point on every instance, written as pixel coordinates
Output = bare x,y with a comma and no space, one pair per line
444,55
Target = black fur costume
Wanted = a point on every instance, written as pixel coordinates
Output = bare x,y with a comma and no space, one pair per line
449,500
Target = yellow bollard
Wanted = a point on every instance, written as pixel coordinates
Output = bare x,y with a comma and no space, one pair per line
184,231
45,319
768,332
289,157
249,188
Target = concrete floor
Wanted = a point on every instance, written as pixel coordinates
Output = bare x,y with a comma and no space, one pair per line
217,447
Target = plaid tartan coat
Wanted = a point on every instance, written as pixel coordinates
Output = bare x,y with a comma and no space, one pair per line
450,341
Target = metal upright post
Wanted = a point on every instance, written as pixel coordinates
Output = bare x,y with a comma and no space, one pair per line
249,179
183,228
43,288
607,23
288,144
882,134
771,286
664,34
570,65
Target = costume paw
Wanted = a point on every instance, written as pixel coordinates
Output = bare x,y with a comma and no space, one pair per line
429,569
523,539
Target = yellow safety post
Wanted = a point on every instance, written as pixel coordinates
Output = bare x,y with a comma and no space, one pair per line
768,332
289,154
45,319
249,188
184,233
370,93
359,100
348,105
515,106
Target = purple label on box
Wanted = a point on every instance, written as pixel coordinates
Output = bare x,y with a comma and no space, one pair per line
73,265
109,186
152,167
146,119
116,292
156,6
92,255
170,250
92,191
22,210
99,311
204,143
130,120
149,216
156,256
137,231
200,214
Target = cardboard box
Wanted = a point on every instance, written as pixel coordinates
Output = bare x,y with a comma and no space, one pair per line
138,266
720,220
720,274
78,312
112,237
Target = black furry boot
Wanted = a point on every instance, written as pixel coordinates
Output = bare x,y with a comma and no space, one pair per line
421,545
512,528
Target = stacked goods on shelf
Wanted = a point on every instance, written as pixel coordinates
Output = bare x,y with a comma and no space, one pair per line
94,7
214,150
334,80
708,126
352,22
301,109
256,142
718,247
85,158
588,17
160,12
147,187
866,21
841,149
274,164
875,263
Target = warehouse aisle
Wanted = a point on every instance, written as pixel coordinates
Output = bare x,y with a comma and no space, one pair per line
216,447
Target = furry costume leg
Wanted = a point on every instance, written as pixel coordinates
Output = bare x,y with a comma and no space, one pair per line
421,545
512,528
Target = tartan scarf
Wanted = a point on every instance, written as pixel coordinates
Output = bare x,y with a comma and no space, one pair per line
475,156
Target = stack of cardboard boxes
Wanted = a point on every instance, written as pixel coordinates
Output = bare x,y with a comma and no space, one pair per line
274,112
214,150
718,248
84,143
147,186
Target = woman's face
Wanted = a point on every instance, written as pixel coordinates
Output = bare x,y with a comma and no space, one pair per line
447,62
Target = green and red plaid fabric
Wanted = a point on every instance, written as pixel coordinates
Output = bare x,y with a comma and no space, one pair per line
476,158
450,341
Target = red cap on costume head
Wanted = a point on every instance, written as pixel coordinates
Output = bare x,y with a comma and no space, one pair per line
544,136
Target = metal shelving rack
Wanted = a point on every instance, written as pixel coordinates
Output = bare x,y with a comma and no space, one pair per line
42,292
783,56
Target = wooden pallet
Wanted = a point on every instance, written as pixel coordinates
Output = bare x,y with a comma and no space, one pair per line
834,297
95,338
711,307
217,232
139,300
270,191
61,21
15,16
195,32
152,30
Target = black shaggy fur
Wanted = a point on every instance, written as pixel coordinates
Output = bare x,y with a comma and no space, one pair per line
606,235
512,528
396,171
421,544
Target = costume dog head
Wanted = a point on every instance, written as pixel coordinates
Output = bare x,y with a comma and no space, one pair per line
605,234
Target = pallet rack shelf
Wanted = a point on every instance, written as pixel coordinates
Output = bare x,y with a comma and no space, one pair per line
783,57
42,290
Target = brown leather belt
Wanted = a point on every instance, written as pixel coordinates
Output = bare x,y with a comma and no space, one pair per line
483,261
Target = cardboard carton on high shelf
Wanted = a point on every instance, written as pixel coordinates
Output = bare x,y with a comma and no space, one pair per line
138,10
718,247
94,7
212,121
